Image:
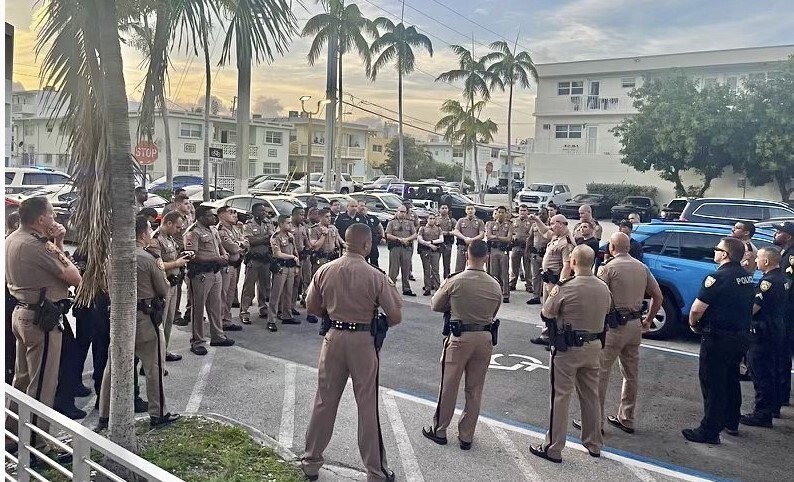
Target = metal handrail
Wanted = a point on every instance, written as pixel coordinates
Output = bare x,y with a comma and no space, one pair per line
83,441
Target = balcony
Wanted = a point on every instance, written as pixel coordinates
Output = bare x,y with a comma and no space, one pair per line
23,109
591,104
230,150
318,150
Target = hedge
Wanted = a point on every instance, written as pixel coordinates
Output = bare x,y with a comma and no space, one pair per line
615,192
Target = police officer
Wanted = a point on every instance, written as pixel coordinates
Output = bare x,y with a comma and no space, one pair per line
235,244
37,271
334,210
472,297
722,312
784,239
258,230
411,215
556,261
205,279
519,256
183,205
348,351
174,262
378,234
536,247
324,240
304,272
467,229
285,258
447,225
430,241
499,235
635,249
152,289
12,224
575,309
586,216
766,335
400,235
350,216
629,280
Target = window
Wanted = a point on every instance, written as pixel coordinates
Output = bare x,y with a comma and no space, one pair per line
191,148
435,153
271,168
57,179
272,153
293,138
188,165
568,131
575,87
457,151
242,203
377,148
30,129
50,126
655,243
34,179
272,137
778,212
698,246
494,153
252,169
10,177
190,129
48,159
716,210
628,82
751,213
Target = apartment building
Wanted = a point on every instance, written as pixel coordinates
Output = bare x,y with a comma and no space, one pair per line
496,154
578,103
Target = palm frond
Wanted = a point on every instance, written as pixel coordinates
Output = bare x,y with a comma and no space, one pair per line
257,29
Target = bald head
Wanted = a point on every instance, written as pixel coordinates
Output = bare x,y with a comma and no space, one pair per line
359,239
582,258
619,243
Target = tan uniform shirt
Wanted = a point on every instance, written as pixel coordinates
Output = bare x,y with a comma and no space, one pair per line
597,230
33,263
301,235
258,235
536,239
497,230
402,228
580,301
472,296
628,280
430,233
413,217
331,241
231,240
151,275
168,250
205,241
447,224
283,243
521,229
471,228
558,253
334,282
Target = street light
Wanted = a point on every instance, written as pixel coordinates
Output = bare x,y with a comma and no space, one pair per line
309,114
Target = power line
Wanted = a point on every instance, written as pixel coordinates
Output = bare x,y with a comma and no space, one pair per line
369,102
389,118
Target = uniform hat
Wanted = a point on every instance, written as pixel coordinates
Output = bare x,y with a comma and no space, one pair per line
787,227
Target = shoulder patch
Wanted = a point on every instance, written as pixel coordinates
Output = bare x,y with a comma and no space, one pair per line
710,280
555,291
602,270
160,264
51,248
562,282
765,285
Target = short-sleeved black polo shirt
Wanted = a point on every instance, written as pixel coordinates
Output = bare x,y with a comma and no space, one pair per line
729,292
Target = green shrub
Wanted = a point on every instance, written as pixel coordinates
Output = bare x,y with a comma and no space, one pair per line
165,194
615,192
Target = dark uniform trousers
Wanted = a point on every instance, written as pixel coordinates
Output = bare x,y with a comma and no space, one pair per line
257,275
430,268
37,364
150,348
500,269
577,368
70,369
519,260
347,354
784,361
228,290
720,355
446,259
400,262
281,294
374,253
206,293
93,331
762,358
470,354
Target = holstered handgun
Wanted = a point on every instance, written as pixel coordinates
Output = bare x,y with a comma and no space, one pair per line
548,276
613,319
447,317
325,325
378,329
48,314
154,308
456,327
556,339
495,331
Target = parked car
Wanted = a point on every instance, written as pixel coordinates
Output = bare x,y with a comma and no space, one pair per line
425,194
196,193
462,188
59,195
278,204
264,177
181,180
387,203
730,210
539,194
379,183
348,185
324,199
672,210
645,206
680,255
771,222
457,207
597,202
20,179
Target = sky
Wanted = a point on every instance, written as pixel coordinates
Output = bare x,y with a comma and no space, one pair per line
551,31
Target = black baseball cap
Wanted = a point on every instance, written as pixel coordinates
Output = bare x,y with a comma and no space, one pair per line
787,227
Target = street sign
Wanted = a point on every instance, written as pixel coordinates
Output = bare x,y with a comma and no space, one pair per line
216,155
146,153
489,167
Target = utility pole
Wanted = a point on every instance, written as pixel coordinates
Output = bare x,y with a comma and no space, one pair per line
330,111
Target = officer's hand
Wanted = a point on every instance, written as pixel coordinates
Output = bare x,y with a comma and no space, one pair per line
183,261
324,229
57,231
383,241
297,260
646,325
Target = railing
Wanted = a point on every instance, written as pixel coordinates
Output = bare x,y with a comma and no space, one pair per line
585,103
83,443
23,109
297,148
230,150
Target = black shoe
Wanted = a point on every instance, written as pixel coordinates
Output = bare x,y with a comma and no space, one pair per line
430,433
140,405
390,476
698,436
745,377
199,350
272,327
539,451
224,342
613,420
311,319
181,321
464,445
577,424
594,454
233,327
755,421
426,293
732,431
540,341
102,424
409,293
506,299
164,420
411,278
235,304
311,477
245,318
295,312
141,372
172,357
72,412
82,391
303,303
291,321
533,301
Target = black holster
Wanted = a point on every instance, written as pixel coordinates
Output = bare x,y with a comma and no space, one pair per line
325,325
447,317
614,319
549,276
556,339
175,279
195,268
154,307
48,314
378,329
456,327
495,332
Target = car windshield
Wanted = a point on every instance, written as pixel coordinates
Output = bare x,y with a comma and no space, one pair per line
459,198
677,204
587,198
540,187
315,176
391,201
268,185
636,201
284,206
383,180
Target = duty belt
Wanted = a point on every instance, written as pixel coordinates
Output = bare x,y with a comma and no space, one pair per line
345,326
473,326
587,337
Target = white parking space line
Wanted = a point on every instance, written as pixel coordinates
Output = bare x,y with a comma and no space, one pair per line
529,473
641,474
286,431
409,462
194,402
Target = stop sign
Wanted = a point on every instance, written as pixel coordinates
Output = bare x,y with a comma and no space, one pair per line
146,153
489,167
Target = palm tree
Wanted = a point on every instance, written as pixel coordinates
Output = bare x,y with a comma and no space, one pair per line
477,81
347,26
255,28
512,69
82,61
397,43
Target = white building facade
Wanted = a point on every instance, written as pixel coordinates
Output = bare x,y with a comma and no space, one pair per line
444,152
578,103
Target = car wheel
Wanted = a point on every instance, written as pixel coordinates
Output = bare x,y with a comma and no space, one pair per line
345,190
666,323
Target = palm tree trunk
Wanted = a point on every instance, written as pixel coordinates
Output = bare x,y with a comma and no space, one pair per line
243,120
479,191
169,168
205,190
338,156
463,169
124,275
400,114
509,149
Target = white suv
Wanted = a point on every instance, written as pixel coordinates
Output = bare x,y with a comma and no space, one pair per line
20,179
540,194
347,182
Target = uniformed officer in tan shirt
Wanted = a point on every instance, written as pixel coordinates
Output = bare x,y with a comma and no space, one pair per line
400,235
586,216
235,244
348,350
285,256
170,229
473,298
304,272
519,256
205,279
258,231
536,247
467,230
447,225
183,205
499,235
629,281
149,337
324,240
34,261
430,239
580,303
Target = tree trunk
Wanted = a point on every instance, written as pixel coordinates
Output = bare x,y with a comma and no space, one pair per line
169,168
680,190
124,274
706,185
478,189
338,156
782,185
205,190
243,120
509,150
400,119
462,170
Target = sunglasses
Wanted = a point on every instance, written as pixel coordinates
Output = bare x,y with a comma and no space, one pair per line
719,250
